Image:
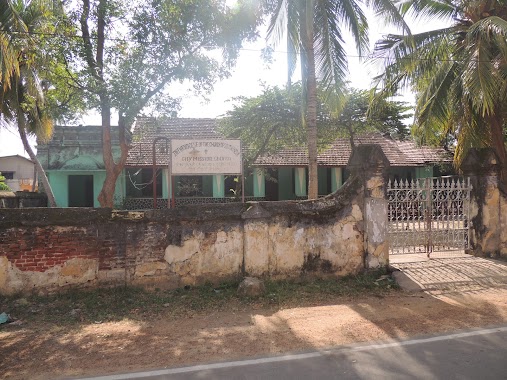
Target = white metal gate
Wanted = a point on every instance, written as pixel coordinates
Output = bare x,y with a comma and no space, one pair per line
428,215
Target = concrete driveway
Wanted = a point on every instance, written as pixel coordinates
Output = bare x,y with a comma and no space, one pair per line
448,273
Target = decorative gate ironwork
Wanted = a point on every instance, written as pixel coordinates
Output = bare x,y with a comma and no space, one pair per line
429,215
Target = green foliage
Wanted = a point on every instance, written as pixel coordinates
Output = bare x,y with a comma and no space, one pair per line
272,121
313,32
160,42
38,89
3,185
268,122
458,73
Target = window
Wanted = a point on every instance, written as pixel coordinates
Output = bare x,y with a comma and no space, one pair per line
190,186
8,175
140,183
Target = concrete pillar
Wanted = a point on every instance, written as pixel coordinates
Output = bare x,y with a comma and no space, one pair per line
300,182
257,246
336,178
259,184
488,205
165,184
218,186
370,163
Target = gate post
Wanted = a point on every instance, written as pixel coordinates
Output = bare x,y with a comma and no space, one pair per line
370,163
482,165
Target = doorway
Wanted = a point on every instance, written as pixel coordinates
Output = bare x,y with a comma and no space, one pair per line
80,190
271,185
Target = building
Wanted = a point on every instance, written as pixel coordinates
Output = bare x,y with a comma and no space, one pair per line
407,161
73,160
19,172
280,176
73,163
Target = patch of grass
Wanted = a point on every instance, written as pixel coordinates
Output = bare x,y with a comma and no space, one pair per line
113,304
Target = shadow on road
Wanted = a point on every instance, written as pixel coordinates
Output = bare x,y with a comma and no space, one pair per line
38,351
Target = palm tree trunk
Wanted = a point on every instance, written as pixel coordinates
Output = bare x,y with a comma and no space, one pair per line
38,166
307,38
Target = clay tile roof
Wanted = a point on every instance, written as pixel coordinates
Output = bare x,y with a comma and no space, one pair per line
147,129
399,153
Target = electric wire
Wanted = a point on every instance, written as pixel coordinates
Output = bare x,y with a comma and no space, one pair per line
366,57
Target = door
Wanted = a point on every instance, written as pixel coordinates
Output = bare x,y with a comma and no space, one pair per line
272,185
81,191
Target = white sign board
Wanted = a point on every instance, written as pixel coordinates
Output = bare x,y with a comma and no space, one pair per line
203,157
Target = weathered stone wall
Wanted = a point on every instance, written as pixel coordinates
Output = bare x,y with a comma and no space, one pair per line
50,249
55,248
22,199
502,252
488,206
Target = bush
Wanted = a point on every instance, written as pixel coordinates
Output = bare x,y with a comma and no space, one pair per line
3,185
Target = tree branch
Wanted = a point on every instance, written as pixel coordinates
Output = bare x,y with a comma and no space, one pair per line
88,48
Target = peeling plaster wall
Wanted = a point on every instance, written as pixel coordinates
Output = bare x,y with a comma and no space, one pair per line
488,206
503,226
50,249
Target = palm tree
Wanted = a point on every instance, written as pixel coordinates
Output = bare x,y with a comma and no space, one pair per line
21,96
9,20
459,73
313,29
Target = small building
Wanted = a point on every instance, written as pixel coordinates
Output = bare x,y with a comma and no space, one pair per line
187,189
73,161
279,176
288,168
19,172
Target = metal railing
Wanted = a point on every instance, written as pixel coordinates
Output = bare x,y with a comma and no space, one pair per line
428,214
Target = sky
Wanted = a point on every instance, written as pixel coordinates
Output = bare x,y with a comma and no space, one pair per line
247,78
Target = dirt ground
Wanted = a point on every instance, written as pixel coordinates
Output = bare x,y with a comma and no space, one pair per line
47,351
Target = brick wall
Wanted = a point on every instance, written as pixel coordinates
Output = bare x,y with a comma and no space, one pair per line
50,249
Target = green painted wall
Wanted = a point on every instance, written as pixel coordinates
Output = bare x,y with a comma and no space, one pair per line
285,184
218,185
165,184
59,181
424,172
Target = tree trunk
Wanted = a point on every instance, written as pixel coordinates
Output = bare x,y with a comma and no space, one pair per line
309,77
113,170
38,166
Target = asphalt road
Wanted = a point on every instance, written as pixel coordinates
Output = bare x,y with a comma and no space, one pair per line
474,354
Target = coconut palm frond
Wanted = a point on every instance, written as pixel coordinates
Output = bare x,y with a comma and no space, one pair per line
429,9
388,11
